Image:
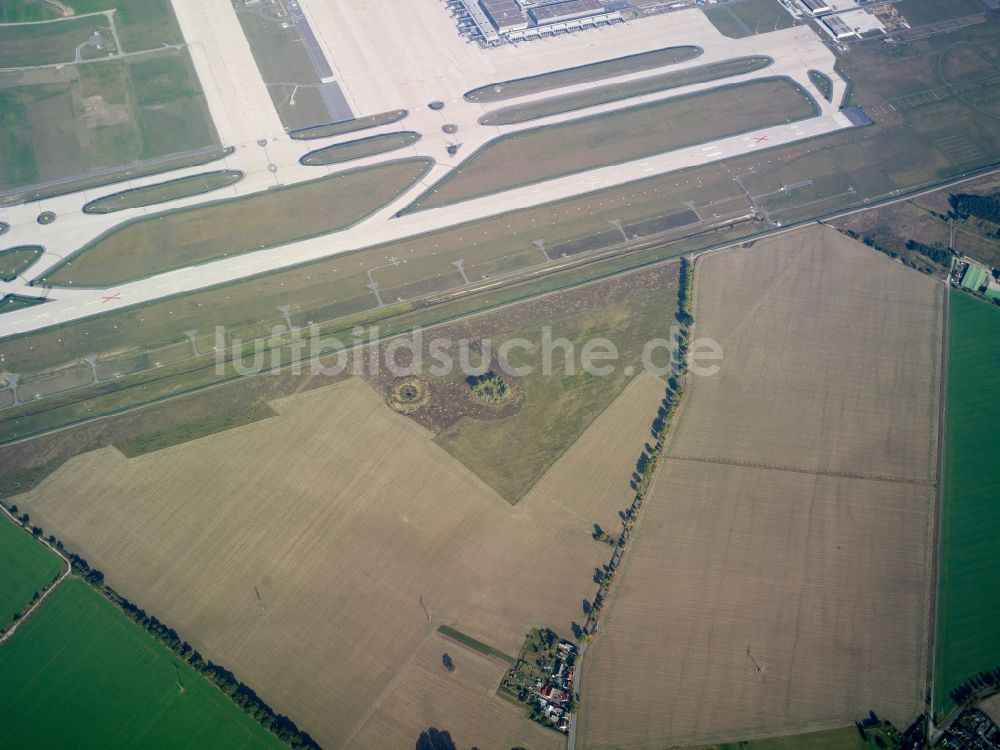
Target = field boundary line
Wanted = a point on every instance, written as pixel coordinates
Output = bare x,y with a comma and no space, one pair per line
801,469
937,539
41,599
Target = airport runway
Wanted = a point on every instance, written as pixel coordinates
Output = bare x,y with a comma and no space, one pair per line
245,116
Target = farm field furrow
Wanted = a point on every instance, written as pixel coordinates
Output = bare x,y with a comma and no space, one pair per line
80,674
968,637
345,518
599,140
754,601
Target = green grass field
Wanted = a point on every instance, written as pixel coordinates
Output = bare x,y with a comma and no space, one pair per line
919,12
162,192
80,674
193,430
745,17
19,11
14,260
604,94
846,738
142,24
60,123
28,566
619,66
16,302
483,648
376,144
822,83
239,225
631,133
968,633
22,46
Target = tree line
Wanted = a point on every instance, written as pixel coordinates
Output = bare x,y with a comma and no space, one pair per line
645,465
983,207
240,693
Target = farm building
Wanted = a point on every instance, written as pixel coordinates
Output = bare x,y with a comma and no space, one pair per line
974,278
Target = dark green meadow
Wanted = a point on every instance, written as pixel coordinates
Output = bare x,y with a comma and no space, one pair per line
80,674
968,634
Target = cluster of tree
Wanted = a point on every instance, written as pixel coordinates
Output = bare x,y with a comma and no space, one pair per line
896,248
435,739
241,694
977,687
448,662
645,466
984,207
489,386
686,288
940,255
874,729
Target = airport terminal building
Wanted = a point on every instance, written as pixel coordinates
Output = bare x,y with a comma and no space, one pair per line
492,22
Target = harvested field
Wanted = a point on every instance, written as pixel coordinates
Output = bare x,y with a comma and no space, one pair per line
630,133
787,314
604,94
201,233
619,66
773,585
103,682
341,548
28,567
463,703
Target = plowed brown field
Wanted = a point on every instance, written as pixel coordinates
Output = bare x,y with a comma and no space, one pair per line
779,578
344,516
